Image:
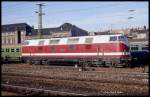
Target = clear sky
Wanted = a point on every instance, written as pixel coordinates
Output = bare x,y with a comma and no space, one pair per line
90,16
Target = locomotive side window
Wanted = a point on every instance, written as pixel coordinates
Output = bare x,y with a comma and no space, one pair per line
54,41
41,42
72,40
113,38
88,40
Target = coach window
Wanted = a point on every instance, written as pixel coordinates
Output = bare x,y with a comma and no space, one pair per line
41,42
2,50
113,38
88,40
7,49
12,50
145,48
54,41
134,48
17,49
73,40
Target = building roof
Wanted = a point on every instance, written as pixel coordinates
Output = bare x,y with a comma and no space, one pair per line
45,31
64,27
125,31
48,31
102,33
14,27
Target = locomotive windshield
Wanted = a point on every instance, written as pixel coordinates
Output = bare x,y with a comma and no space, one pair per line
121,38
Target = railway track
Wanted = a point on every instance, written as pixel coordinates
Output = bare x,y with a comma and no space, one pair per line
101,77
86,82
35,91
134,78
24,67
75,86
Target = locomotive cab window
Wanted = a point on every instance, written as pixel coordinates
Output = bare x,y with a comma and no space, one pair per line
113,38
88,40
121,38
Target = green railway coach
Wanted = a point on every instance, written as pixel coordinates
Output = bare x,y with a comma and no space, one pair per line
11,53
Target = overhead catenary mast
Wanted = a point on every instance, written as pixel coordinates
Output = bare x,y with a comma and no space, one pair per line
40,19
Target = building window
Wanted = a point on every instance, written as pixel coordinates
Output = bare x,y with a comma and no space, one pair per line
41,42
3,41
88,40
10,40
113,38
54,41
73,40
26,43
6,41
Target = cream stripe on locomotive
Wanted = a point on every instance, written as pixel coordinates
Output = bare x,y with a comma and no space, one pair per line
75,54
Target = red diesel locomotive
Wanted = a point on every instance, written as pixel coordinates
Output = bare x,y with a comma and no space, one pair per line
102,50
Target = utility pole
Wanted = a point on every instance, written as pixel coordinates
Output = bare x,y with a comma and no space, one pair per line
40,19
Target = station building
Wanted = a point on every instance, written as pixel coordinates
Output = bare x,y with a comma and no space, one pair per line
16,33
